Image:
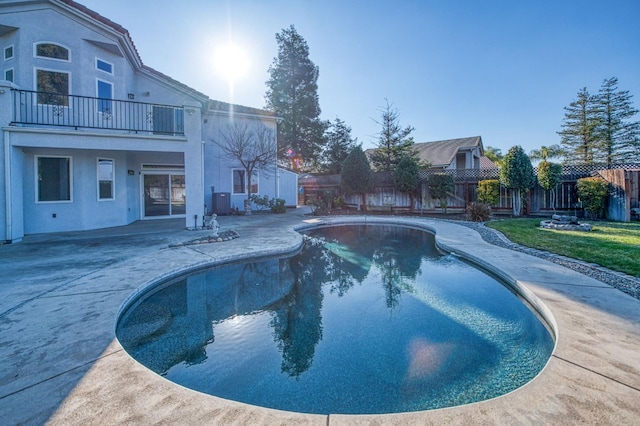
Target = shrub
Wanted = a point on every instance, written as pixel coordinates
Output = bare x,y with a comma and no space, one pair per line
592,192
338,202
489,192
478,212
440,185
321,204
260,202
277,205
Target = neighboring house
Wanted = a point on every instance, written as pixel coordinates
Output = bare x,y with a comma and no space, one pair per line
94,138
452,154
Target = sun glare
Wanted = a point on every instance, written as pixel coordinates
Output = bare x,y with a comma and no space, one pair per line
231,62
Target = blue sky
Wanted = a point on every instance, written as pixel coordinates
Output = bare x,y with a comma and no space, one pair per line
503,70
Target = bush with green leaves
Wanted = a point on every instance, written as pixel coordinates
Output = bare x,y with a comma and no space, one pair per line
440,186
277,205
321,204
489,192
592,192
517,174
261,202
549,175
478,212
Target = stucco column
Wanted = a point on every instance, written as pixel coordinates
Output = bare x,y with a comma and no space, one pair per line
193,166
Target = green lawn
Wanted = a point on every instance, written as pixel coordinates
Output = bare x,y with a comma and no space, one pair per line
613,245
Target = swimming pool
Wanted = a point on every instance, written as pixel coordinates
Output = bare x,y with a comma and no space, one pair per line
365,319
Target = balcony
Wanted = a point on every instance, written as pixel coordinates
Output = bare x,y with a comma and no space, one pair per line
51,109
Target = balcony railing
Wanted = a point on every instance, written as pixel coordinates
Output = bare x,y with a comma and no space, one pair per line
50,109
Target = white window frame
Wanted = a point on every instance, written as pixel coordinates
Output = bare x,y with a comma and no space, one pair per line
13,52
113,178
35,81
35,51
101,110
256,179
106,62
37,180
13,77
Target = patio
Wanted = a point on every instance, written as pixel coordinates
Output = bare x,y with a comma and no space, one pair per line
62,364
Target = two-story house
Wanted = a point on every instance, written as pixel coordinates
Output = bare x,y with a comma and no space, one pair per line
452,154
91,137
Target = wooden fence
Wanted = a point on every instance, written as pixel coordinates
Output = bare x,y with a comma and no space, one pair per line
385,197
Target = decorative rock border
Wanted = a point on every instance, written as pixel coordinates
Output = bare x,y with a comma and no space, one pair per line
562,226
222,236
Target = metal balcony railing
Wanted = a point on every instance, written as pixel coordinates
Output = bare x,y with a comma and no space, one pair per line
51,109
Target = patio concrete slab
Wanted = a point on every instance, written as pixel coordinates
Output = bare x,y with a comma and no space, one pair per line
62,364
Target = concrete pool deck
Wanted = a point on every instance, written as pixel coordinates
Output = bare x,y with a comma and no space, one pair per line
61,364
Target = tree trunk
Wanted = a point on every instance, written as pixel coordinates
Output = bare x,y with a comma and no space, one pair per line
516,201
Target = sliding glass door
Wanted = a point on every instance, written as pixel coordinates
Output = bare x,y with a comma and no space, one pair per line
164,194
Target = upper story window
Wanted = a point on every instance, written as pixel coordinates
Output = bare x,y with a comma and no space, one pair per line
105,93
104,66
8,75
52,87
52,51
8,53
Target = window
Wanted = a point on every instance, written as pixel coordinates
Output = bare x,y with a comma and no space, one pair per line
104,66
168,120
52,51
105,179
240,185
52,87
53,179
8,53
8,75
105,91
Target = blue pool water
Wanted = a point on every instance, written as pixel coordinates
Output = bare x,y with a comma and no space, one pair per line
365,319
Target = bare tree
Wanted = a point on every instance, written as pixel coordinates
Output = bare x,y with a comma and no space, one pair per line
254,147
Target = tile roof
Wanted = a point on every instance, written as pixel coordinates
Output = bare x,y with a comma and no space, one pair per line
125,33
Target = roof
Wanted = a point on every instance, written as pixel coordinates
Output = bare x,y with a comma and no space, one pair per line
226,107
486,163
442,153
128,40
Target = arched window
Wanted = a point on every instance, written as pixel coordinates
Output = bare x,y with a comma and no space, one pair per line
52,51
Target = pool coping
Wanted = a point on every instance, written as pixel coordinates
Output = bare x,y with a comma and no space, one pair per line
592,376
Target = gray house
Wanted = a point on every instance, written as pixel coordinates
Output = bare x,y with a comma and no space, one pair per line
458,154
94,138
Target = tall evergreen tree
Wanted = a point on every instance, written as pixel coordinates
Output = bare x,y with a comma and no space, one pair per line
339,145
356,175
292,93
579,133
618,136
394,142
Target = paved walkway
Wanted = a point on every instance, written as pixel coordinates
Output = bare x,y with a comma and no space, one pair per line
61,364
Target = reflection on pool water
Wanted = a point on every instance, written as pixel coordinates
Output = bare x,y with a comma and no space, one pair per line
365,319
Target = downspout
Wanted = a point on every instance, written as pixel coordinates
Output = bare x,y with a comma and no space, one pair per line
7,187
